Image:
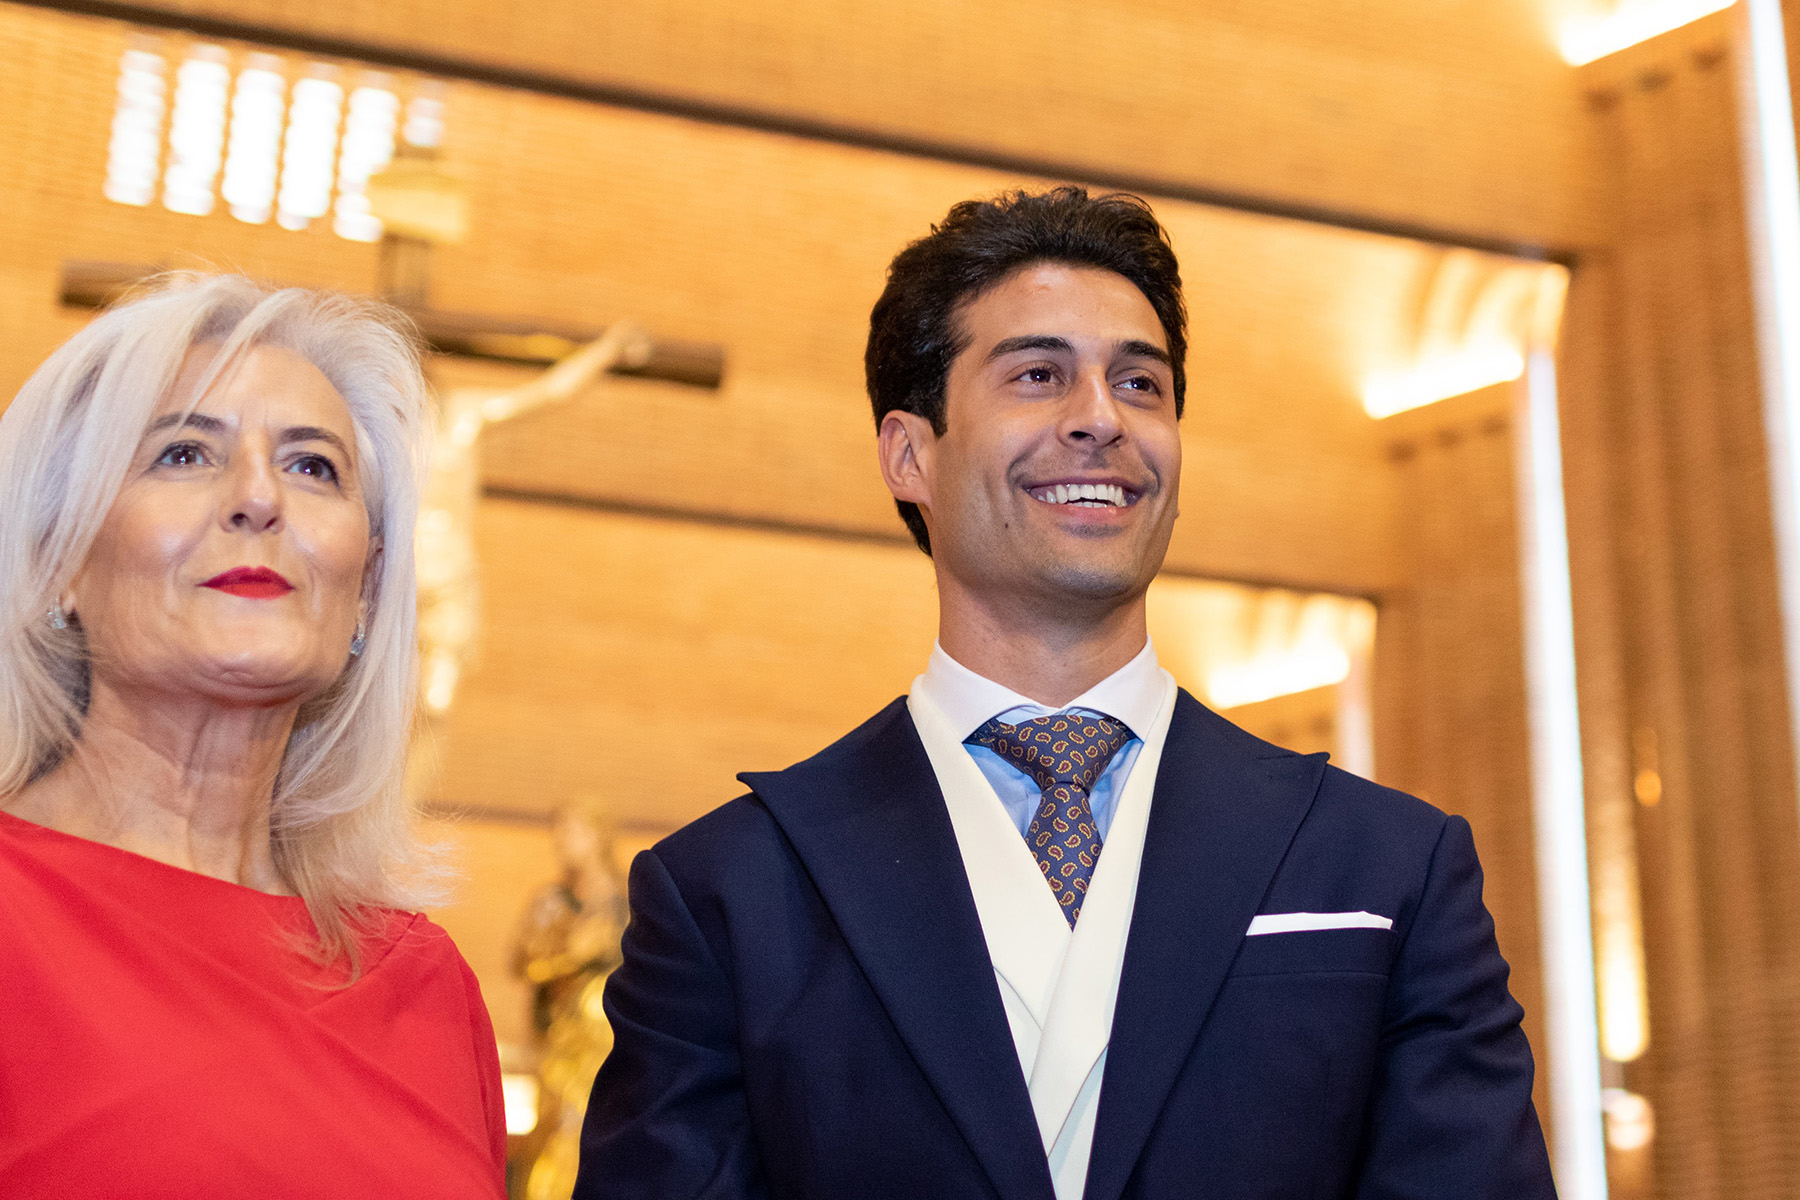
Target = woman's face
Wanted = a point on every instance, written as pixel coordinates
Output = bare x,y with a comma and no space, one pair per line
233,562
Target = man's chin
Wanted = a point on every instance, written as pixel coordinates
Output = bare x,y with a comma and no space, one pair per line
1095,581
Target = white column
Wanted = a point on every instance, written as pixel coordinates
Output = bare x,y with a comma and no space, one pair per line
1772,204
1558,808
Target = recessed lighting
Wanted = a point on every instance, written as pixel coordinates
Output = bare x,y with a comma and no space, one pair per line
1439,377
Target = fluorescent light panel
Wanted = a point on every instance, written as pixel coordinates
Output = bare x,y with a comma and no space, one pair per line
197,131
254,154
309,156
425,118
135,151
368,147
262,151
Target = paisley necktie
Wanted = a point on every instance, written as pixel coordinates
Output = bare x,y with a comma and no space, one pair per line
1063,754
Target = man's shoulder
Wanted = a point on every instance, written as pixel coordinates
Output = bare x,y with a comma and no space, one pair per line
1343,800
1363,800
745,827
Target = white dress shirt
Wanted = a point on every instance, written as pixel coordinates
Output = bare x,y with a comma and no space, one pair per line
1131,694
1057,985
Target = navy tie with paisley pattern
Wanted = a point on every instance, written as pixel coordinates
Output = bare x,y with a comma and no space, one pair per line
1063,754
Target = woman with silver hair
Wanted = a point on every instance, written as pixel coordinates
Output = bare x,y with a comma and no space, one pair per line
212,981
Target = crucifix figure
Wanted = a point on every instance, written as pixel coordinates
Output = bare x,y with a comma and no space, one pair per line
448,570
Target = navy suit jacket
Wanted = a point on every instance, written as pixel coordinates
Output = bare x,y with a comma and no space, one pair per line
806,1006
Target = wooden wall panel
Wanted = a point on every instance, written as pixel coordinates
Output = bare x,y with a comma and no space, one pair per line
500,866
1450,704
775,247
1679,627
1453,113
1302,721
650,660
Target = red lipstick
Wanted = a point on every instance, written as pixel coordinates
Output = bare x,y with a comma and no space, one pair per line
253,583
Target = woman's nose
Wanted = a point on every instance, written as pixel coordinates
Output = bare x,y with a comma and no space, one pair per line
254,504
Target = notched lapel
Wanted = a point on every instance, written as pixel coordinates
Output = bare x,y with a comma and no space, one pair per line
868,821
1220,824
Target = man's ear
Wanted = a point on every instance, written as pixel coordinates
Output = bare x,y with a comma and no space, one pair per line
905,445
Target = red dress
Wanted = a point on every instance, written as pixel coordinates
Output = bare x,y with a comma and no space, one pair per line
161,1035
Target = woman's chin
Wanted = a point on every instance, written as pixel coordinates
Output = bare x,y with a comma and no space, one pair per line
260,680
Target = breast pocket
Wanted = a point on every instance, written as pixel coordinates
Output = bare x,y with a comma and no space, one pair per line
1316,952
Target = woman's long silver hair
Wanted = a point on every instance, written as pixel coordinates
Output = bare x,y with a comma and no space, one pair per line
343,837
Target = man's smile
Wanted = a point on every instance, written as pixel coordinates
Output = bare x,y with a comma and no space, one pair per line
1099,494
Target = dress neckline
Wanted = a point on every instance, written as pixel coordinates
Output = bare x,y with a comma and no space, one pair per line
132,860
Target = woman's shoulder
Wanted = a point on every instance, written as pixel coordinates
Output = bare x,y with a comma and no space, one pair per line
445,1014
397,942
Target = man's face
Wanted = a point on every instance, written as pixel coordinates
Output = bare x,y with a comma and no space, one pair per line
1056,478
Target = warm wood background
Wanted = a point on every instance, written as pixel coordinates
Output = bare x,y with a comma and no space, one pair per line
649,657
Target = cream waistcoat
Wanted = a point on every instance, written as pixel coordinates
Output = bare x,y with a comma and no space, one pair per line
1058,985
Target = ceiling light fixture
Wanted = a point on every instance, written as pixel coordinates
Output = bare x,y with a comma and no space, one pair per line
1584,39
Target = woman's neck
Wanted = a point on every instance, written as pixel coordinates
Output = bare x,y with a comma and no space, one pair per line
184,781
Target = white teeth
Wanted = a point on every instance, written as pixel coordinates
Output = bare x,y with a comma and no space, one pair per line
1110,494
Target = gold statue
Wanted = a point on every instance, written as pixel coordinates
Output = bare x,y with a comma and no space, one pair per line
568,944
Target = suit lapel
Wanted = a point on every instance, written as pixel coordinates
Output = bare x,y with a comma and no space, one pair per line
868,821
1220,824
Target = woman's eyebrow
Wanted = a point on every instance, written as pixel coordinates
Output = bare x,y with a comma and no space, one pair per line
209,424
315,433
193,420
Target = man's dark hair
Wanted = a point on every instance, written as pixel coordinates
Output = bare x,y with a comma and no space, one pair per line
913,334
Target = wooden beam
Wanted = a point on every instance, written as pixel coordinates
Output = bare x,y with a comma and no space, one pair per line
787,124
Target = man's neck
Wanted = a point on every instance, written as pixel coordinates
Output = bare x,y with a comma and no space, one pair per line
1046,653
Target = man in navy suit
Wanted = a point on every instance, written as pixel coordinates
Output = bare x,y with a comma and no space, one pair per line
1046,927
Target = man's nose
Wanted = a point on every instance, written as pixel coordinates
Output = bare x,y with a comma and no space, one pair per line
1092,415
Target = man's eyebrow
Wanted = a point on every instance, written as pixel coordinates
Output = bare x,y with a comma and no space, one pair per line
1031,341
193,420
1140,349
1131,348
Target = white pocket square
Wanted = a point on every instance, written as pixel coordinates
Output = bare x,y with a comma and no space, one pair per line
1303,922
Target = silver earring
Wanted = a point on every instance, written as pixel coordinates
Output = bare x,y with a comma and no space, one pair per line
58,618
359,641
